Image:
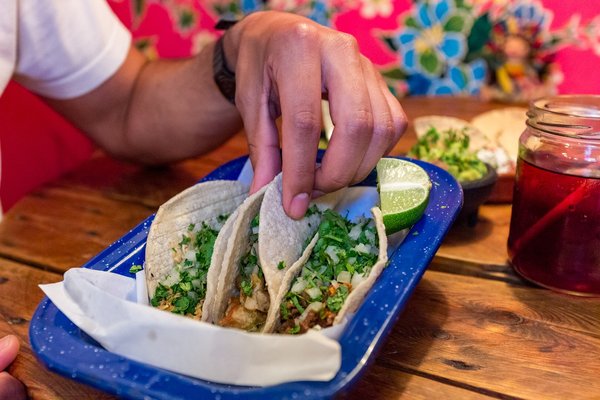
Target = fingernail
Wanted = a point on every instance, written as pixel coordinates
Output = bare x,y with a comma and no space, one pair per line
299,205
317,193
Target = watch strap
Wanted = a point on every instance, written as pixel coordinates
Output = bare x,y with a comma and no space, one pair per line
223,76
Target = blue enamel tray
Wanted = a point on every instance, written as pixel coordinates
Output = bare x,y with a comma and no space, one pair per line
63,348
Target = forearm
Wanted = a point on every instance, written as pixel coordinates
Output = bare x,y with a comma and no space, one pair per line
156,112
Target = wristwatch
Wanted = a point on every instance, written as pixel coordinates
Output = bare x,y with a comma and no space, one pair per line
223,76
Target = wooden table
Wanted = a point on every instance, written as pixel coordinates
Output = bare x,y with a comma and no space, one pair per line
472,329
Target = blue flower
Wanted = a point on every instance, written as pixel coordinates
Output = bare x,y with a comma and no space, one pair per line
319,13
460,79
249,6
528,13
434,37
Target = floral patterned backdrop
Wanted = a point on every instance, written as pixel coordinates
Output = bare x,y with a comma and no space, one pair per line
507,49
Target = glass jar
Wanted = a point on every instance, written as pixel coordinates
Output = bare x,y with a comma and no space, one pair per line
554,238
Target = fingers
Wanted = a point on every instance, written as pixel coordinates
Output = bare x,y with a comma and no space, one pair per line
299,84
284,64
9,347
11,388
389,121
253,102
351,113
399,119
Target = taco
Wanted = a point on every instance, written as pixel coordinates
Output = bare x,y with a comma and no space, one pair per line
345,260
264,243
185,247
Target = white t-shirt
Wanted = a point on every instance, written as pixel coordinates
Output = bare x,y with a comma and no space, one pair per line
60,48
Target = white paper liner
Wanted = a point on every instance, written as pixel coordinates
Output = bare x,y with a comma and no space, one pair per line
104,306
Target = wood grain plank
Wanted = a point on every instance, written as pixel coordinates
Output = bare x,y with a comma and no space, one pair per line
19,296
498,338
382,383
147,185
485,243
59,228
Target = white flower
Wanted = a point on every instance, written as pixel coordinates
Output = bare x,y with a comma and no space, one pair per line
373,8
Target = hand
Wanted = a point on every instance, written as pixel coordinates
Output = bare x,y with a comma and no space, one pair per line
284,63
10,387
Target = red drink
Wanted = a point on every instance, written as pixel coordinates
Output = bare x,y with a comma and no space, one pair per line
554,236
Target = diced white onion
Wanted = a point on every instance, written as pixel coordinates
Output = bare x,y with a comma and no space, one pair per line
344,277
298,286
316,307
357,279
172,279
313,292
190,254
363,248
192,271
375,250
196,283
355,232
255,230
330,251
192,295
370,236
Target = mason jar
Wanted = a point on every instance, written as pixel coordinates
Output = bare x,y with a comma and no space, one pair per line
554,238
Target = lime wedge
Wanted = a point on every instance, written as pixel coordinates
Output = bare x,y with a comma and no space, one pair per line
403,191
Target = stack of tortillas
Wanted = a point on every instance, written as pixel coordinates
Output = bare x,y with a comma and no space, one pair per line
503,127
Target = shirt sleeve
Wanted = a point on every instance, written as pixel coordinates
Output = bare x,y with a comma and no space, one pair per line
67,48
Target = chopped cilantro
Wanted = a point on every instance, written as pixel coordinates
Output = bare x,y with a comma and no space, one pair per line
294,330
246,287
312,210
343,246
184,296
450,150
205,243
135,268
162,292
281,265
335,302
297,304
181,305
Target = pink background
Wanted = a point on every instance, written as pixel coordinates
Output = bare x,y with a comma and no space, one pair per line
53,146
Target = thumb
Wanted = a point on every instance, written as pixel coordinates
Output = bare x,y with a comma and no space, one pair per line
9,347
